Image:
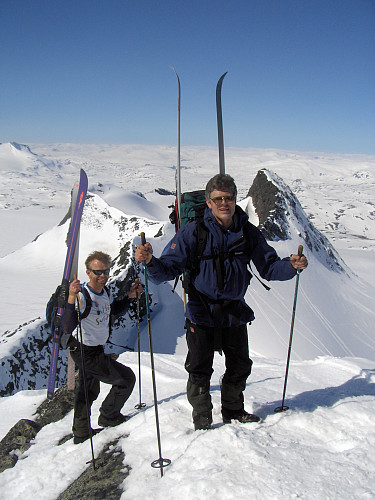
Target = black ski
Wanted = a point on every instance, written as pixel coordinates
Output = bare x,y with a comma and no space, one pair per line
220,124
70,258
178,168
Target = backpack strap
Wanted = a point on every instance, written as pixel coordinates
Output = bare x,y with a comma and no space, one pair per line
202,233
249,242
88,299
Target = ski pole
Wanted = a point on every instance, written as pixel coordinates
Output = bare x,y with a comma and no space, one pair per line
282,407
85,385
140,404
160,462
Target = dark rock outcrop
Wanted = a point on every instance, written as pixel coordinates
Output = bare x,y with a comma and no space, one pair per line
102,482
281,217
270,207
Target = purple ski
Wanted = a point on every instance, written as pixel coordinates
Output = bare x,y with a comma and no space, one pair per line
70,259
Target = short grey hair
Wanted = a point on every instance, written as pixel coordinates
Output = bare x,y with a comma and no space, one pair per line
221,182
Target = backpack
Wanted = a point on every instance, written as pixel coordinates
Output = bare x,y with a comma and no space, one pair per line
59,299
53,303
193,204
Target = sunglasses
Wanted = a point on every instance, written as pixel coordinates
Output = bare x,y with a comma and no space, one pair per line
218,200
99,272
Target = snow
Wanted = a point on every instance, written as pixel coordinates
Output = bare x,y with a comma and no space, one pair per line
323,446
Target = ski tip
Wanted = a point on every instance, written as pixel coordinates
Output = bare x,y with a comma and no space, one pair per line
222,78
178,78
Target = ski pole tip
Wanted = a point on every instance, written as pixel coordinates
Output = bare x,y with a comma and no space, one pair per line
300,250
143,238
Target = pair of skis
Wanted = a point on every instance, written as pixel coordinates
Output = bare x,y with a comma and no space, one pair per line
220,139
70,272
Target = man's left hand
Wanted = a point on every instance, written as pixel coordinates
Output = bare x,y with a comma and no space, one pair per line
135,289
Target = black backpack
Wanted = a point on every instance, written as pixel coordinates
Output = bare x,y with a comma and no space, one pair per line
59,298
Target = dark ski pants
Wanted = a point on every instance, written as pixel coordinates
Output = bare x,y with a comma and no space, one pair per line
199,360
99,367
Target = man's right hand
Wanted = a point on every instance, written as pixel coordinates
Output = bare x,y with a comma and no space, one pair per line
74,289
143,253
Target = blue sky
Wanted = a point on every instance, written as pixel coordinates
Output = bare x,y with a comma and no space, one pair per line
301,73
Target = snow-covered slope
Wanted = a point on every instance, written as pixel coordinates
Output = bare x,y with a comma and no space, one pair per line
324,446
332,299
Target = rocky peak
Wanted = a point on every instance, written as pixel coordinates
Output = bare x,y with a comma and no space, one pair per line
281,217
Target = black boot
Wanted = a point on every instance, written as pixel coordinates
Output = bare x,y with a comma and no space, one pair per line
240,415
202,421
81,424
200,399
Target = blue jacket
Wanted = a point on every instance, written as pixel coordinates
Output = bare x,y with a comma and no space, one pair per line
179,254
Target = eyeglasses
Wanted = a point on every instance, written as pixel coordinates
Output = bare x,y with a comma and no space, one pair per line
218,200
99,272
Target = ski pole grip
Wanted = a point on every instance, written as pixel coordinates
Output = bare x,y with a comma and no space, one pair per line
300,250
143,238
137,282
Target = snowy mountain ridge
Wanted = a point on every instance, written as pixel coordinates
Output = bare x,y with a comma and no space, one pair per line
322,447
110,229
24,350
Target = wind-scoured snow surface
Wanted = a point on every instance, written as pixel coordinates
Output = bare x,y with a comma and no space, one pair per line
323,447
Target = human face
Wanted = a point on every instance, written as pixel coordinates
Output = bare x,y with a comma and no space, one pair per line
224,210
97,282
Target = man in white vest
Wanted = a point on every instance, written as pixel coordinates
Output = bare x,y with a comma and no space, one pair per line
98,366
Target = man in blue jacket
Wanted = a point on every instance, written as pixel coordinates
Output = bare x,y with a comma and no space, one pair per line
216,313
